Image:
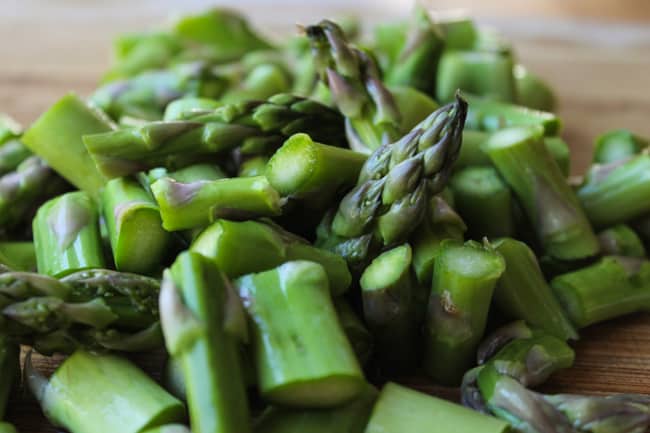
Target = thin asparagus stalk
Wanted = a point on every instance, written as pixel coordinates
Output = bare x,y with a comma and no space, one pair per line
621,240
202,316
254,166
12,153
313,172
56,137
66,235
613,287
522,292
484,201
532,91
463,282
389,302
138,240
549,202
9,369
361,340
231,245
18,256
87,391
262,81
188,107
617,145
302,355
191,173
403,410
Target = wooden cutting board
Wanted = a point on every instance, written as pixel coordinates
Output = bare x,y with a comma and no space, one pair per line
601,74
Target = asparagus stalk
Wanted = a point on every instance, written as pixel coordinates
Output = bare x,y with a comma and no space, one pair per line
413,105
532,91
262,81
9,369
621,240
484,201
459,30
313,172
522,292
295,329
18,256
463,283
403,410
12,153
138,241
253,166
56,137
173,378
201,317
389,303
188,107
87,391
199,203
191,173
617,145
360,338
98,309
231,245
613,287
550,203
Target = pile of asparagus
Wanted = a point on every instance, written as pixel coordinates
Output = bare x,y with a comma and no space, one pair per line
295,224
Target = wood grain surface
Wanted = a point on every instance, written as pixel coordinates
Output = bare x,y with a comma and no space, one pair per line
600,70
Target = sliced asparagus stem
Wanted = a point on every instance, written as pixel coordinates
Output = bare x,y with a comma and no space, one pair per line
9,368
617,145
550,203
389,305
231,244
613,287
302,355
361,340
484,201
200,314
403,410
463,282
87,391
522,292
66,235
18,256
621,240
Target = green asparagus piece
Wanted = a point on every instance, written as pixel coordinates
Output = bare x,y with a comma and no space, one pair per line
617,145
463,283
199,203
97,309
191,173
616,192
138,52
560,151
303,357
484,201
532,91
202,318
173,378
613,287
9,369
102,394
232,244
66,235
413,105
253,166
12,153
18,256
489,115
621,240
388,290
549,202
313,172
354,81
188,107
484,74
261,82
253,126
56,137
5,427
360,338
403,410
459,30
349,418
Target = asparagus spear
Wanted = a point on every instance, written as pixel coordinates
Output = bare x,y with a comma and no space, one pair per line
484,201
101,394
550,203
9,368
353,79
202,317
173,378
522,292
403,410
56,137
413,105
459,30
18,256
360,338
12,153
532,91
191,173
463,283
617,145
302,355
97,309
232,244
188,107
253,166
254,126
621,240
66,235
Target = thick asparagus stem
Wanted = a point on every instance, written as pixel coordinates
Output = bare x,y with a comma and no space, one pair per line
613,287
302,355
87,391
522,292
361,340
201,315
550,203
56,137
138,240
18,256
403,410
231,245
66,235
199,203
463,282
188,174
389,305
532,91
313,172
484,201
621,240
9,369
617,145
